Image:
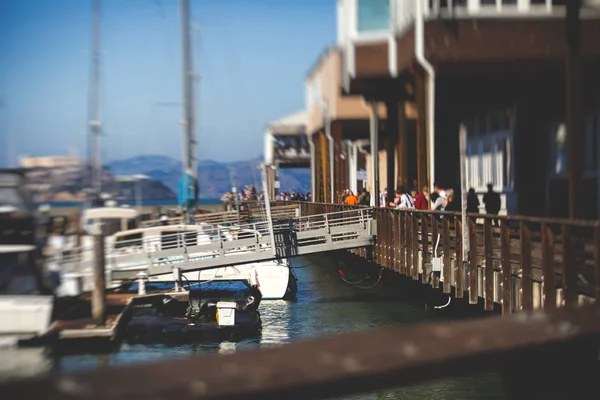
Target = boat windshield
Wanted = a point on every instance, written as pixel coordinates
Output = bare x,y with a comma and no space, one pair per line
12,193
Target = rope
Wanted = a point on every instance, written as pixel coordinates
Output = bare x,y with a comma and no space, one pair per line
355,284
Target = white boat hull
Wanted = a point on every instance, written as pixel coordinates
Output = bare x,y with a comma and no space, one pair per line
24,315
272,277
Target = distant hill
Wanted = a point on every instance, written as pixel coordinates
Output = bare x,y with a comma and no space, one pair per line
215,178
67,184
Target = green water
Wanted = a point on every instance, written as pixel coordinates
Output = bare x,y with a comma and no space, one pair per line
324,305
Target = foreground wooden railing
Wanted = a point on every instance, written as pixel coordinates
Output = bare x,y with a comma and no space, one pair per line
545,355
524,263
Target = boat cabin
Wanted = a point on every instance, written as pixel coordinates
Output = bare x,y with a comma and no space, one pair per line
113,219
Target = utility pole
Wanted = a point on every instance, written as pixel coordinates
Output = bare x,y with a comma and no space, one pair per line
94,104
5,145
575,137
237,200
190,162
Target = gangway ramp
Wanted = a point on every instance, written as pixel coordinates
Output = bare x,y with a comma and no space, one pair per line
215,246
248,214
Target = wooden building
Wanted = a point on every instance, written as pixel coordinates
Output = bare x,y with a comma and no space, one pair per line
505,69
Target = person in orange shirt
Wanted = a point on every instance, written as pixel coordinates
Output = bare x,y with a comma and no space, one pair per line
351,199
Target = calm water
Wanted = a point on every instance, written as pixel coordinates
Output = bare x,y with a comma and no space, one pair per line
324,305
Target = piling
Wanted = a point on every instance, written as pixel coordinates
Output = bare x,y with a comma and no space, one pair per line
98,294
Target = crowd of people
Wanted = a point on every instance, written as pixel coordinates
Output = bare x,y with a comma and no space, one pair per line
442,199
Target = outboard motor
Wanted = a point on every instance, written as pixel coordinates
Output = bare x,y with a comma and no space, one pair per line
251,302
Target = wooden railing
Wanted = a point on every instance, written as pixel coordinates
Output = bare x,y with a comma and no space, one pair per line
549,355
524,263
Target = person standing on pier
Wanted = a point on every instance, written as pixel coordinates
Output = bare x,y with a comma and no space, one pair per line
351,199
421,200
365,198
492,203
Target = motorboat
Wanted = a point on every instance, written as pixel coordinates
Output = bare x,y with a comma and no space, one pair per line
129,249
25,302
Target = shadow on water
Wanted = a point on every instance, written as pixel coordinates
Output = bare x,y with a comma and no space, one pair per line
324,305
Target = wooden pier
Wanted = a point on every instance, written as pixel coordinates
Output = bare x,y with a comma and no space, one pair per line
524,264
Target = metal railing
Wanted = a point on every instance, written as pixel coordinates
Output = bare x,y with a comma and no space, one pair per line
372,19
523,263
214,245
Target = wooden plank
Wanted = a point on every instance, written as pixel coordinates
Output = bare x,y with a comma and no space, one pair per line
425,251
549,291
389,239
473,284
447,285
458,268
506,269
403,239
489,265
377,247
397,239
569,268
597,261
342,365
415,247
526,282
409,240
435,280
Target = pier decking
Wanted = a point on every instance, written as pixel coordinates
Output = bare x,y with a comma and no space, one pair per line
526,263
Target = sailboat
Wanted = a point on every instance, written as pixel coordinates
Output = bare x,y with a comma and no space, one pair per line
273,277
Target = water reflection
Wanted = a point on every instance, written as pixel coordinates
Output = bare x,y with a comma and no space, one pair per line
276,316
324,305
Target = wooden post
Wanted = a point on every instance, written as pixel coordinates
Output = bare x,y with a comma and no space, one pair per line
98,292
597,261
526,283
506,269
447,268
549,291
569,268
325,168
374,141
422,154
391,132
489,266
338,164
459,268
575,137
473,278
402,145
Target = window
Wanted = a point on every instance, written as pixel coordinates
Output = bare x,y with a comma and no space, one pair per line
373,15
592,130
591,146
490,149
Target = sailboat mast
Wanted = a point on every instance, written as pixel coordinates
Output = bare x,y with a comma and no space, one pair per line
94,103
190,162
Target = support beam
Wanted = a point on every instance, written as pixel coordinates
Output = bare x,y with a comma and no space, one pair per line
575,137
374,132
422,153
402,146
391,134
313,165
318,194
324,162
338,164
353,166
98,293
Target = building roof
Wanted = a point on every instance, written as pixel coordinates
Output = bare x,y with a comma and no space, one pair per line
292,124
320,59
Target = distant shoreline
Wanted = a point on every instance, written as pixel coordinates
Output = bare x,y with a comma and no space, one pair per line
66,208
132,203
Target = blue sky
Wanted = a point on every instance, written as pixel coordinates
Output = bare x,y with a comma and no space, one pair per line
252,56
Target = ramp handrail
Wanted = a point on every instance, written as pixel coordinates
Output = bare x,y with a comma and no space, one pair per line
195,245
